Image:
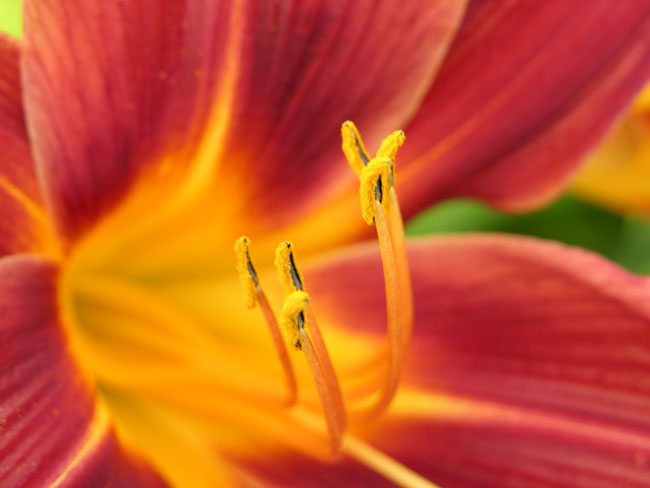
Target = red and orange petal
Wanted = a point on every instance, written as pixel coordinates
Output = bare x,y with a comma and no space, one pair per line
293,469
308,66
24,225
114,90
525,92
528,364
52,429
188,87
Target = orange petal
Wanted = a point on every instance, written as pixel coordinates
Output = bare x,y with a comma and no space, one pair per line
24,226
528,364
256,88
525,92
53,431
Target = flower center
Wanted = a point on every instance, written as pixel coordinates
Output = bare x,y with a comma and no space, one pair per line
149,308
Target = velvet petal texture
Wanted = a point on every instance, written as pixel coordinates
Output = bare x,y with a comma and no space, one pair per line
528,365
183,87
53,431
23,223
527,89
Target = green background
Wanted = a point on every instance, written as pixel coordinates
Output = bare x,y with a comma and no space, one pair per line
10,17
624,239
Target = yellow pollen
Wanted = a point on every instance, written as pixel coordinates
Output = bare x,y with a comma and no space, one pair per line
292,318
353,148
390,145
246,271
288,273
379,206
255,295
302,332
375,187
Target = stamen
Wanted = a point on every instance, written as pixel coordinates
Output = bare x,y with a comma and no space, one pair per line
396,227
393,310
303,334
290,277
375,183
247,275
353,148
379,206
255,295
390,145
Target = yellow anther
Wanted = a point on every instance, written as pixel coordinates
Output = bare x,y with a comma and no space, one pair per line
390,145
375,187
246,271
288,273
292,317
255,295
353,148
379,206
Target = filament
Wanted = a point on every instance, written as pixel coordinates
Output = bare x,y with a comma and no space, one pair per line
379,206
326,362
280,348
255,295
301,330
396,228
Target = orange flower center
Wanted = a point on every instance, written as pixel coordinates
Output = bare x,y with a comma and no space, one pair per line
154,318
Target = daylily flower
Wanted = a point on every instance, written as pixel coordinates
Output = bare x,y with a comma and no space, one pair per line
617,174
162,130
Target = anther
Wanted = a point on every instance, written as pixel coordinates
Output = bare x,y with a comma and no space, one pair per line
353,148
379,206
255,295
302,332
246,271
390,145
375,185
292,317
288,273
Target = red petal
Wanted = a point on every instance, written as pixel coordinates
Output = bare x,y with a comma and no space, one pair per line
528,365
109,87
52,430
526,90
262,87
293,469
23,223
309,67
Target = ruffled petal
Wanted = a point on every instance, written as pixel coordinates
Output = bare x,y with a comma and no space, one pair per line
178,89
526,91
528,365
24,226
53,431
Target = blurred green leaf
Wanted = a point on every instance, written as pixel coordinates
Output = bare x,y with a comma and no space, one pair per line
633,249
11,17
621,239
